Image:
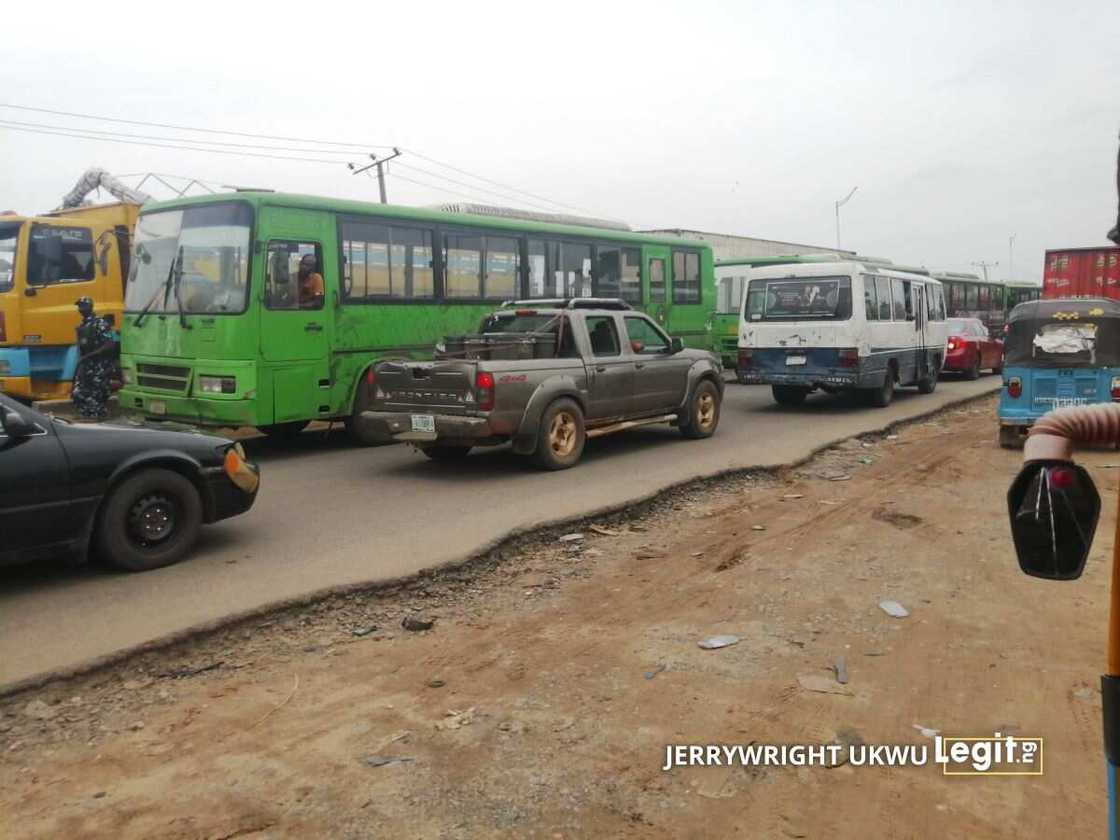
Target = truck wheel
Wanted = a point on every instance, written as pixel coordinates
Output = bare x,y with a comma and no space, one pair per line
881,397
973,371
703,412
1009,437
445,452
150,520
789,394
561,436
928,383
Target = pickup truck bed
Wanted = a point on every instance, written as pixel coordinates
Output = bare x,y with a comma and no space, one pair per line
599,380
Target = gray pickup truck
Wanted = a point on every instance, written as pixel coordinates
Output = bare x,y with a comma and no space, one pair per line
546,375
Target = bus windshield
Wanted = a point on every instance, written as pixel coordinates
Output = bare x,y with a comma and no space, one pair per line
9,234
800,298
214,274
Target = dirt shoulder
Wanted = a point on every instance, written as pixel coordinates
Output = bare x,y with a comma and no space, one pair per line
541,701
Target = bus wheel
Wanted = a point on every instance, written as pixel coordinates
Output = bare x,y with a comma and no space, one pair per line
928,383
881,397
284,431
789,394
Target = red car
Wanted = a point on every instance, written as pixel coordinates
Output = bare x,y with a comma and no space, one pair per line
970,349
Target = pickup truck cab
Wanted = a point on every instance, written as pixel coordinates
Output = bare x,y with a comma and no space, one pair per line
546,375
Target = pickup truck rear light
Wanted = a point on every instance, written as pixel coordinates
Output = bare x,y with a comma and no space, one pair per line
746,357
484,390
849,357
1115,389
1015,387
371,377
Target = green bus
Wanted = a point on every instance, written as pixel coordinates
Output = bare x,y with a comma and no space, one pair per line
268,309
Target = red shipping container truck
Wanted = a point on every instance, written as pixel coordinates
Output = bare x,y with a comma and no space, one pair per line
1082,272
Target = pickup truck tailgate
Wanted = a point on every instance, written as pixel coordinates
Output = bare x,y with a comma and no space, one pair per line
433,387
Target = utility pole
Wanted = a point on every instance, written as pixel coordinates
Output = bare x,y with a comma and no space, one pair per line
984,266
840,204
380,164
1011,258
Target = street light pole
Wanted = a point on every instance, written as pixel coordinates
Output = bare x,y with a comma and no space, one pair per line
840,204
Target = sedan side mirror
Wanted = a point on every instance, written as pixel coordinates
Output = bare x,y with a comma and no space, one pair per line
1054,507
676,345
16,425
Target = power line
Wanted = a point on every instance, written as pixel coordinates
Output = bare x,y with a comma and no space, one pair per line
175,139
471,186
190,128
168,145
252,135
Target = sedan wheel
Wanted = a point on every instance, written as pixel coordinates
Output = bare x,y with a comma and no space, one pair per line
150,519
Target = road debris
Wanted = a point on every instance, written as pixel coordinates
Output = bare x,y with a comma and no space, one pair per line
894,609
456,719
181,673
717,642
926,731
841,669
386,760
791,496
39,710
568,538
363,631
822,685
758,527
417,623
649,675
603,532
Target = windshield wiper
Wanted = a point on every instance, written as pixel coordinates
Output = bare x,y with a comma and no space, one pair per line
179,298
163,287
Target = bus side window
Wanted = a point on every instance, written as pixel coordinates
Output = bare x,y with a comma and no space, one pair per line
901,299
284,287
883,294
870,302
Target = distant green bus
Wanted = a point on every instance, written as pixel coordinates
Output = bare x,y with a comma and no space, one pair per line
222,329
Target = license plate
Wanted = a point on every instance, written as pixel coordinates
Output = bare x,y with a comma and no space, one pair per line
423,423
796,360
157,407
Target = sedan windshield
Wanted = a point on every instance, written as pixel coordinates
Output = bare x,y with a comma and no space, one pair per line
800,298
213,276
9,234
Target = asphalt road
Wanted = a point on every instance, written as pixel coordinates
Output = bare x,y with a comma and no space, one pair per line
331,514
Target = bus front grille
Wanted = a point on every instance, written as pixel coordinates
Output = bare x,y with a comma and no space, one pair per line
163,377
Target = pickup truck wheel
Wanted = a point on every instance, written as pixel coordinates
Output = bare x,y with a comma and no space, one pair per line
150,520
446,453
561,437
703,412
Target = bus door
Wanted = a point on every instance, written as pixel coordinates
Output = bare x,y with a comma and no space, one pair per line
655,284
296,328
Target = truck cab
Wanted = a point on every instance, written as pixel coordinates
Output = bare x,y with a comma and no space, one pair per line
46,263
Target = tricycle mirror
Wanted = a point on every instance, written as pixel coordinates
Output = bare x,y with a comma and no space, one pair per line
676,345
16,425
1054,507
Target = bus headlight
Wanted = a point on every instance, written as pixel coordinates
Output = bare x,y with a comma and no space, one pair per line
217,384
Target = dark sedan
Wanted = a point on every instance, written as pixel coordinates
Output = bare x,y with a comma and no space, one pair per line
133,495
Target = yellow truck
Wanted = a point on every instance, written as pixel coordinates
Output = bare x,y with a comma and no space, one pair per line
47,262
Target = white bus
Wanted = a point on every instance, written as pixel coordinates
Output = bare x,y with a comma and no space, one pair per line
840,326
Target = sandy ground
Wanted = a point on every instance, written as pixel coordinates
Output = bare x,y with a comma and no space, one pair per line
540,703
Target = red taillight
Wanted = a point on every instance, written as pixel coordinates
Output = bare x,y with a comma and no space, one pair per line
849,357
484,390
1014,387
746,357
1115,388
952,345
371,377
1062,477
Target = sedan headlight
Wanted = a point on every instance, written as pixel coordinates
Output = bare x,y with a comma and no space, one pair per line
240,471
217,384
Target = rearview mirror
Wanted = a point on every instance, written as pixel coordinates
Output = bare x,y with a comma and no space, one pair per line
15,425
676,345
1054,507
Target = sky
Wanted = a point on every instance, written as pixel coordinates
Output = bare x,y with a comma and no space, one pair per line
961,124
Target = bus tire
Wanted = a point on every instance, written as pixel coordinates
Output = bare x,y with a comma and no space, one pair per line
150,520
446,452
881,397
561,436
928,383
353,427
703,412
790,395
973,370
